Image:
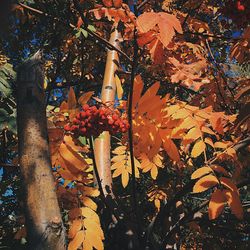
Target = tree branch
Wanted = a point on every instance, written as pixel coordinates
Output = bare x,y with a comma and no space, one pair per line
95,35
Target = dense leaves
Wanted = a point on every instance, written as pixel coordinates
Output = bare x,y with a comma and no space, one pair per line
188,120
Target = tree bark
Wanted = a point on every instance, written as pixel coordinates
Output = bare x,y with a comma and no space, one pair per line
102,143
45,229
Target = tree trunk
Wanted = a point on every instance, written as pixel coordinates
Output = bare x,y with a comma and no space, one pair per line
102,143
45,229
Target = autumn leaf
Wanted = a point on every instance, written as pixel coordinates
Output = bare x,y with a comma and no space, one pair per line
118,87
219,169
234,203
84,98
199,147
138,87
226,182
77,241
74,228
171,149
156,30
71,99
205,183
200,172
216,204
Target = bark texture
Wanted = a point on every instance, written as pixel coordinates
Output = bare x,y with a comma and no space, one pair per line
43,219
102,143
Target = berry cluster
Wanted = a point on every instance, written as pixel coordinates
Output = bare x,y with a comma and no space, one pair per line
93,121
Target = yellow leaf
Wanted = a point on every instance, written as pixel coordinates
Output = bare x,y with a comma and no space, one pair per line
216,204
118,164
207,130
205,183
200,172
198,148
96,241
221,144
119,158
209,141
118,171
90,214
120,150
75,227
193,134
234,203
89,203
125,178
72,160
84,98
118,87
154,172
77,241
181,114
157,203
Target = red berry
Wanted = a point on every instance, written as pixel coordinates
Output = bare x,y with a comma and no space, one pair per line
85,107
67,127
240,7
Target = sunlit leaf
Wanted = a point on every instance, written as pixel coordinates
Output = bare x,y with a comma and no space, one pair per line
200,172
205,183
199,147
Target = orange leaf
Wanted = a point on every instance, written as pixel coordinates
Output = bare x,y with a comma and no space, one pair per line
84,98
226,182
74,228
147,21
71,99
171,149
216,204
200,172
138,86
151,92
205,183
198,148
125,178
77,241
233,201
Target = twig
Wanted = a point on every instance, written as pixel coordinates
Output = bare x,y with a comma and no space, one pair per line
191,214
130,131
164,211
106,42
99,38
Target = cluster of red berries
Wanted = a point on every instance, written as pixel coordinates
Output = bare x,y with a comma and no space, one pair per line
93,121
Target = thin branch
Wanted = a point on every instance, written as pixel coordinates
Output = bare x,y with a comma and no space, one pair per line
191,214
9,165
130,119
95,35
106,42
165,210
